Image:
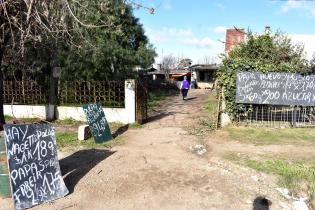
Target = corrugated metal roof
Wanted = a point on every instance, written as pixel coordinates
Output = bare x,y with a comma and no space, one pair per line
205,67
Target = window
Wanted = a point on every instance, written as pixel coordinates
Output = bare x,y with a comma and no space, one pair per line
201,76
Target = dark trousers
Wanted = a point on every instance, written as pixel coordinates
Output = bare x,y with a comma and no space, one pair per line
184,93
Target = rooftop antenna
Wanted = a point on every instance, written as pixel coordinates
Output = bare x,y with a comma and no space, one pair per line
267,29
241,30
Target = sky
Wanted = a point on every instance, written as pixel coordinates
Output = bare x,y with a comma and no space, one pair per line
195,29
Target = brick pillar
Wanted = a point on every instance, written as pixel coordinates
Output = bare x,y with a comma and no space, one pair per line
233,38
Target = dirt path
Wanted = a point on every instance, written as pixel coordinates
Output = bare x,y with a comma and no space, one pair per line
155,169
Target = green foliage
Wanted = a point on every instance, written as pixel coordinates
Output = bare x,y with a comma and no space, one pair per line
263,53
105,54
110,45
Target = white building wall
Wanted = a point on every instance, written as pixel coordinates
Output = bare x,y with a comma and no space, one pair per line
124,115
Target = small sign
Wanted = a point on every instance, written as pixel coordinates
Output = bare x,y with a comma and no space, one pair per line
97,122
34,169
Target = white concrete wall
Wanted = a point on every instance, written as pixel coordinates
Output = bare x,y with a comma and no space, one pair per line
124,115
26,111
205,85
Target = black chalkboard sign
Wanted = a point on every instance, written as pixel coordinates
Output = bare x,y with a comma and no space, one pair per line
275,88
34,170
97,122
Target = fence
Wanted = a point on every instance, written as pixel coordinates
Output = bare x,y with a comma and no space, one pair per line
28,92
276,116
24,92
108,93
120,96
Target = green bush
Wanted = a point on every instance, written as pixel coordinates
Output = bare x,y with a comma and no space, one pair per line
263,53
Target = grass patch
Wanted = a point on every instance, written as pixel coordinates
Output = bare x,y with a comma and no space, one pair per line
211,106
264,136
114,126
68,121
5,190
135,126
291,173
206,124
10,119
156,98
68,139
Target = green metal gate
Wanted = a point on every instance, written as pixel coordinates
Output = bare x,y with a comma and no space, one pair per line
5,190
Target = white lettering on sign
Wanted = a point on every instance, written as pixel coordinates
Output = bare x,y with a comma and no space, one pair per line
275,88
97,122
34,169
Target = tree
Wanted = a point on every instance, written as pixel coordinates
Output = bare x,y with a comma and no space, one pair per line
186,62
109,55
168,62
264,53
25,22
48,27
207,60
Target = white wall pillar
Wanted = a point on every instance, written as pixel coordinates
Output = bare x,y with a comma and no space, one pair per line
130,100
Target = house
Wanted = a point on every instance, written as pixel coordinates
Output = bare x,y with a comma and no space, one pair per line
204,75
174,75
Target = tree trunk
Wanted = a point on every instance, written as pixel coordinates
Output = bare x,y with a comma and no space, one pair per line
2,120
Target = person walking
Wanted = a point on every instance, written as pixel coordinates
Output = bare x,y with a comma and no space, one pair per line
184,87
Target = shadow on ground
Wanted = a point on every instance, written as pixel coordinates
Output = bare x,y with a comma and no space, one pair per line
158,116
120,131
191,98
261,203
77,165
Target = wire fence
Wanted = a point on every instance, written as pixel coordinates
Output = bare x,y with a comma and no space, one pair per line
276,116
25,92
108,93
70,93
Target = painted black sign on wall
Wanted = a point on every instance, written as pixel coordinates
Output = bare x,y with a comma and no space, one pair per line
33,164
275,88
97,122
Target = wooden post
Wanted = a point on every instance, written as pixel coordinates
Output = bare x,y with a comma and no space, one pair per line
52,98
2,120
53,85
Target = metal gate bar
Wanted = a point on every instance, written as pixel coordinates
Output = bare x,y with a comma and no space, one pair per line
276,116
